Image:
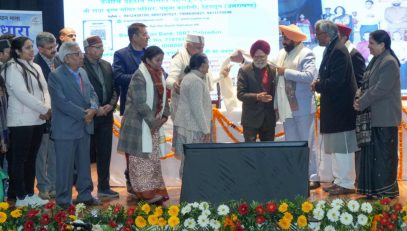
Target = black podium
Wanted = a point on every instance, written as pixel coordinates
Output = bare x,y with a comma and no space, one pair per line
250,171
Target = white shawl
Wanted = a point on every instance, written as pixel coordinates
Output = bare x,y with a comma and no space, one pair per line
147,140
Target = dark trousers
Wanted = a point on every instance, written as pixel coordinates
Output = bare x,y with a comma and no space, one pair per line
250,134
102,139
25,142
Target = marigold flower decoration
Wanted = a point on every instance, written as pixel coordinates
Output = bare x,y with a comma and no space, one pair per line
307,207
146,208
283,207
140,222
173,210
4,205
3,217
152,220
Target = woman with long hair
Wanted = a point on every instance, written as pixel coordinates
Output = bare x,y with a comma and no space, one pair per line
379,104
141,128
28,109
194,114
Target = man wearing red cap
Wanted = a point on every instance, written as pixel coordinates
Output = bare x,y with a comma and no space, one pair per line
358,62
100,75
294,99
256,89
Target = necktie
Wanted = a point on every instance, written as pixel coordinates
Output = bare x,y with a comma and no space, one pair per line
265,80
79,80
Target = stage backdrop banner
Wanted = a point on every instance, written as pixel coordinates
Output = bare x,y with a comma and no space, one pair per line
250,171
21,23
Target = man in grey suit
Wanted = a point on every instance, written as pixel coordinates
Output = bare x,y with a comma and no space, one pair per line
74,104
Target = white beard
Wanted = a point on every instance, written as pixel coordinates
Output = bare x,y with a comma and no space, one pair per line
260,66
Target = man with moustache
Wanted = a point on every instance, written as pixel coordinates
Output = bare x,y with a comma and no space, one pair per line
294,99
45,165
337,85
100,75
256,88
125,63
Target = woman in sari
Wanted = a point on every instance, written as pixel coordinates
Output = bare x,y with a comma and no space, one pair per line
379,105
141,128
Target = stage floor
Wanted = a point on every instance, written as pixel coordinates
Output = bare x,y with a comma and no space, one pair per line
174,193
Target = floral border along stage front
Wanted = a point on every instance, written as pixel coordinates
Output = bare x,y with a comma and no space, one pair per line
300,214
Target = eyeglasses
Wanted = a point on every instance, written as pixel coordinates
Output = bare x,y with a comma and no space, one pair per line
77,54
52,47
320,33
97,47
257,57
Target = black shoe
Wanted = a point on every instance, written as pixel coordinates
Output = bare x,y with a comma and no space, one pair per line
108,193
91,202
314,185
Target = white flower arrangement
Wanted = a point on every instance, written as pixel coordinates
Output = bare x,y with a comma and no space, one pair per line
186,209
214,224
333,214
223,210
346,218
203,221
362,219
366,207
203,206
206,212
337,203
318,213
353,206
321,204
190,223
329,228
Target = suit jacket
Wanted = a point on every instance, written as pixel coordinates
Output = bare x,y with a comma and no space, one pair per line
383,95
44,66
137,110
68,104
249,84
337,86
108,82
125,64
359,66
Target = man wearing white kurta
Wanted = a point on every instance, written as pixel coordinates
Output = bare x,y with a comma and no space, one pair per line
294,99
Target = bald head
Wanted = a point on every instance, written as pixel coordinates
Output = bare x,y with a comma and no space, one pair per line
67,34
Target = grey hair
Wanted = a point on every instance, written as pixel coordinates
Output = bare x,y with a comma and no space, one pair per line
44,38
328,27
65,49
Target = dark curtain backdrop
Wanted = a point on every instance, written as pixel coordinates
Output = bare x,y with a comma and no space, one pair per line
52,11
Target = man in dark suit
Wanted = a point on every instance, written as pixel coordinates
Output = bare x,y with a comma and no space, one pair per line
256,89
100,75
359,67
74,104
45,163
337,85
125,63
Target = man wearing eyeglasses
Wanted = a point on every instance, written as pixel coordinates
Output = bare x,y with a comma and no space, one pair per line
100,75
45,163
256,83
74,103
